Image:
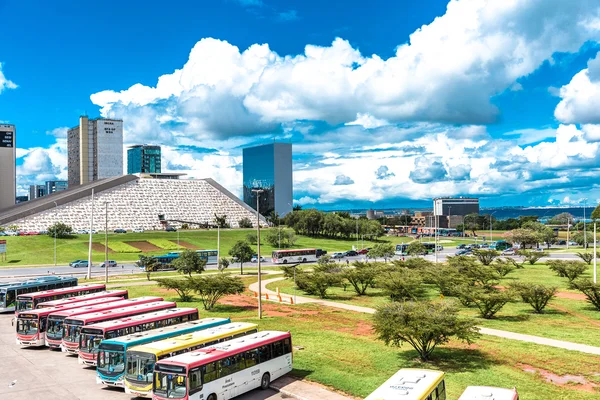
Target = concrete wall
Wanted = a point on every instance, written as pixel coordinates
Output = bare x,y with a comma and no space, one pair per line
8,155
109,153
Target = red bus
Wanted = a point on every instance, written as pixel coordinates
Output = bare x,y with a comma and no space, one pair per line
31,324
224,370
30,301
72,326
55,326
92,335
70,300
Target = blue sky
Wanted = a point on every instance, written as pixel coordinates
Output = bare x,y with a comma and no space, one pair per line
388,104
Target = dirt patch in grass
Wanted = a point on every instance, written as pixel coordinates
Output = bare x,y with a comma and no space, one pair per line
144,246
577,382
186,245
100,248
571,296
570,312
362,328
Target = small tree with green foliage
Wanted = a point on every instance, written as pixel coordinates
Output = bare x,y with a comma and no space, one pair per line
503,267
569,269
223,264
382,250
446,278
242,253
211,288
221,221
461,262
489,301
537,296
590,289
183,287
61,230
485,276
189,262
13,227
251,238
424,325
148,263
586,257
413,263
416,248
486,257
317,283
245,223
531,256
401,284
361,275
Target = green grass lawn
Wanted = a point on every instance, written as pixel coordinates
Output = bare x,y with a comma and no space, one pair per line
338,349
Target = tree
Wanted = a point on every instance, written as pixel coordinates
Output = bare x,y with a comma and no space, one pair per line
252,238
148,263
273,218
61,230
402,284
503,267
424,325
245,223
185,226
531,256
181,286
461,262
561,219
590,289
13,227
596,213
297,207
544,233
221,221
525,237
189,262
223,264
317,283
470,222
361,276
242,253
537,296
413,263
416,248
486,257
382,250
446,278
211,288
579,237
586,257
489,301
569,269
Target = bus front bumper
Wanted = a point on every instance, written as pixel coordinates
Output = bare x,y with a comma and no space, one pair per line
53,344
86,359
69,350
117,383
139,392
26,341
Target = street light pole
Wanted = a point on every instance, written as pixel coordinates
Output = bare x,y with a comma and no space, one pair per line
584,230
218,246
568,226
594,251
258,192
55,223
89,271
106,242
491,234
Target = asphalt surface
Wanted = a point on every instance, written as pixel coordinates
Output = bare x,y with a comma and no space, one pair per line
38,373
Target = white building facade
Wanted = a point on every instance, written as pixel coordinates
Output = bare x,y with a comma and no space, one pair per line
8,158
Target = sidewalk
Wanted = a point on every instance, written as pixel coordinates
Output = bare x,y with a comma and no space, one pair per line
302,390
561,344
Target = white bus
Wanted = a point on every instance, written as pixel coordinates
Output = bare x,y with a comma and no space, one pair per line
294,256
412,384
488,392
225,370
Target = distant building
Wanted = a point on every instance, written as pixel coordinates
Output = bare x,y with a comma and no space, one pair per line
451,210
56,186
143,159
21,199
95,150
36,191
373,214
269,167
422,218
8,168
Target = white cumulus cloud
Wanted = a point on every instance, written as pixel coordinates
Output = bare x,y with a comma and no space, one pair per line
4,82
580,98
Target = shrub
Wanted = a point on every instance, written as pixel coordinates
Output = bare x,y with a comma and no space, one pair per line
402,284
586,257
486,257
537,296
413,263
120,247
569,269
483,275
189,262
532,256
590,289
242,253
317,283
488,301
503,267
424,325
416,248
181,286
252,238
361,276
61,230
148,263
212,287
382,250
447,279
185,226
245,223
223,264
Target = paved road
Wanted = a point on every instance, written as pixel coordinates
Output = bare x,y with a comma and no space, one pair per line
39,373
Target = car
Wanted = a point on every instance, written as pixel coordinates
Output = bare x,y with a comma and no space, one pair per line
2,233
43,232
75,262
120,230
562,243
321,253
171,229
509,252
461,246
12,233
338,255
110,263
138,230
82,232
463,252
255,259
80,263
572,243
350,253
539,249
363,251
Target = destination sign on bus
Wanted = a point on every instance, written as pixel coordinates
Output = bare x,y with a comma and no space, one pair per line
21,315
6,139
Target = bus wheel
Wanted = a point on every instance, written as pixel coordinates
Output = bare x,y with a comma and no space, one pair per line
304,260
212,397
285,261
265,381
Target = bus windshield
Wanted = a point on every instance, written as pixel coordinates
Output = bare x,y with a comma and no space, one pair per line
55,329
139,367
72,331
2,298
24,304
111,362
89,341
27,326
169,385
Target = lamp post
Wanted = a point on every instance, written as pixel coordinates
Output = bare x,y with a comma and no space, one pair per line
218,246
89,271
584,230
258,192
55,222
491,234
106,241
568,226
594,249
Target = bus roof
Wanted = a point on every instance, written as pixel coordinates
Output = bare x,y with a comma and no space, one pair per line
36,282
70,289
122,312
293,250
409,383
209,354
186,340
135,319
140,338
100,306
488,393
85,297
43,312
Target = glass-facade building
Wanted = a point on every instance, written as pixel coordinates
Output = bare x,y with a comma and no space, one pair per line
143,159
56,186
269,167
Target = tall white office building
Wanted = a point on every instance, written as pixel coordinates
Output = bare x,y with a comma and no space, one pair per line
95,150
8,171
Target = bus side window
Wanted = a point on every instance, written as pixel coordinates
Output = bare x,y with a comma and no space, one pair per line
277,349
287,348
195,380
209,372
251,358
441,391
264,353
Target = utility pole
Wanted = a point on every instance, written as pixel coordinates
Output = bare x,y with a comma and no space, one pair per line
55,223
218,246
106,242
568,226
584,230
594,251
89,271
258,192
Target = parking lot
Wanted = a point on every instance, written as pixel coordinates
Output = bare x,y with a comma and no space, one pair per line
38,373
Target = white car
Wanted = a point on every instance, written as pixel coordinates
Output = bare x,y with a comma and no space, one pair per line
337,255
82,232
509,252
138,230
11,233
255,259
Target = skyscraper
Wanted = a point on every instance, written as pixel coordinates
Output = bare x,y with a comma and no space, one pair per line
55,186
143,159
269,167
36,191
8,156
95,150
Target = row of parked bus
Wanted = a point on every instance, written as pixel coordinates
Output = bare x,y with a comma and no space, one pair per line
151,347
